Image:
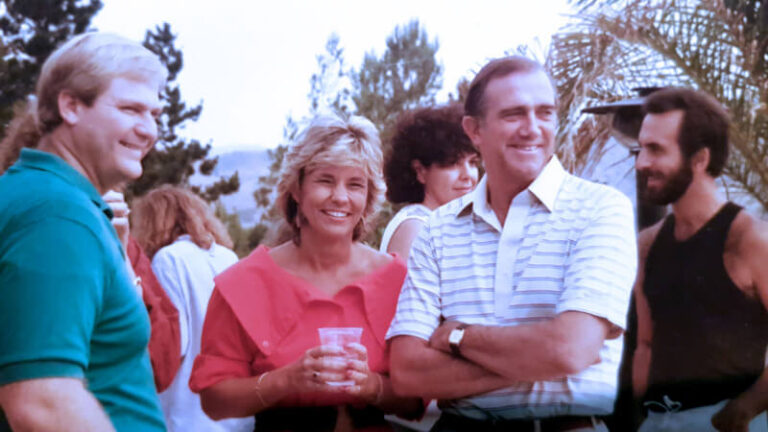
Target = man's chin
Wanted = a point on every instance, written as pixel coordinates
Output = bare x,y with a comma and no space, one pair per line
654,199
131,173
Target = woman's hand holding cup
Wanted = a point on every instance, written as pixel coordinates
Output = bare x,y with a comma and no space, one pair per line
318,366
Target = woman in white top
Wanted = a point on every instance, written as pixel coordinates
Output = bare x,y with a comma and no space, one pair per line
431,161
188,247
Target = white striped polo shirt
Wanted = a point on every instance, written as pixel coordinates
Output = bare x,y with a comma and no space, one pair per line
567,244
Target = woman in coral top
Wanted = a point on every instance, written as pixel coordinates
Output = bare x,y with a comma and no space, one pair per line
260,348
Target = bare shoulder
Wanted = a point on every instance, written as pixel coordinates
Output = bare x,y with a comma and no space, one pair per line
409,227
284,254
646,237
748,237
370,257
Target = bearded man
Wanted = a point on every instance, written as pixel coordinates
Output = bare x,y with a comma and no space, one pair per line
702,287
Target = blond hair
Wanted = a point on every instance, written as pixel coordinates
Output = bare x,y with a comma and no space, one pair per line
332,140
85,65
162,215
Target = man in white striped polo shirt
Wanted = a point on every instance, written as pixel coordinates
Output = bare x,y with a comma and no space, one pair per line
514,307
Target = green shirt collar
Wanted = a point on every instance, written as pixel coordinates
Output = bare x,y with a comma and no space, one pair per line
49,162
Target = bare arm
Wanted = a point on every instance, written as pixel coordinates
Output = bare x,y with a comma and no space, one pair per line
240,397
419,370
402,238
564,345
598,277
753,252
641,363
48,404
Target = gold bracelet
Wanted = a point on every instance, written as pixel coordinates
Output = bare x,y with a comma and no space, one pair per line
258,388
380,390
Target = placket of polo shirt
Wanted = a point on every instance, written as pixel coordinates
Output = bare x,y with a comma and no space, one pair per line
506,254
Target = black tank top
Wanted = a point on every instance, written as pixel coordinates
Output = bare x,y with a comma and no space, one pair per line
709,338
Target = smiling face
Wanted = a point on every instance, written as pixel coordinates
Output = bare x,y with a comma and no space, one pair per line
331,200
664,174
112,136
444,183
516,132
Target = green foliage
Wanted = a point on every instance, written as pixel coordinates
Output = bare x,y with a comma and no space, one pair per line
173,159
329,91
406,76
29,31
716,46
237,233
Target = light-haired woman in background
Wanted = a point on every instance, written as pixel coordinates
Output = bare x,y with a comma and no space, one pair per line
188,246
261,354
431,161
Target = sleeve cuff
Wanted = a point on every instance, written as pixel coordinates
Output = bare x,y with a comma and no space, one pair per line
39,369
209,370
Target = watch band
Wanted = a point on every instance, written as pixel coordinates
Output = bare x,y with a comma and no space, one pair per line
455,337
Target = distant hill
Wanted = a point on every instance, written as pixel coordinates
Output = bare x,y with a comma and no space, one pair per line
250,165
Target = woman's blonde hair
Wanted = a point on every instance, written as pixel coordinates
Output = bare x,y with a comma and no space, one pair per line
332,140
162,215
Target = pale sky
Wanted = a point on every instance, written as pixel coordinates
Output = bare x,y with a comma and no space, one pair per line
250,61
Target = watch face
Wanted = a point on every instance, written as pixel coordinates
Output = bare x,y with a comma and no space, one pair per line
455,336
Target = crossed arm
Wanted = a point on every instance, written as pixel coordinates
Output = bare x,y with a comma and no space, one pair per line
494,357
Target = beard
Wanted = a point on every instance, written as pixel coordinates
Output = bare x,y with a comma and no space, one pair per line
674,188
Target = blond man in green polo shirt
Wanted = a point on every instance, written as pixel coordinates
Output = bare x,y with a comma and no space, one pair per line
73,349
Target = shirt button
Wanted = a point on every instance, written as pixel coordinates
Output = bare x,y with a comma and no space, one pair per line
265,344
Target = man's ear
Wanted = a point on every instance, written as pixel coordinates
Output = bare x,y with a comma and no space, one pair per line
420,170
700,160
471,127
69,107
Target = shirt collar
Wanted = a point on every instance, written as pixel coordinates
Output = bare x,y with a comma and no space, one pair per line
547,184
49,162
545,188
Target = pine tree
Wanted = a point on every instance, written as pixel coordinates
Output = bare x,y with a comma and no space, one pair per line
174,158
406,76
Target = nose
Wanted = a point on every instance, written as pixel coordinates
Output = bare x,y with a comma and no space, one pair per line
642,161
468,171
531,126
146,128
339,193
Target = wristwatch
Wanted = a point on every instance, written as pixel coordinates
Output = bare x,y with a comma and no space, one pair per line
455,337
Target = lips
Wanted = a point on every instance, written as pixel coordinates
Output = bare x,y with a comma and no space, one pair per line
526,148
139,148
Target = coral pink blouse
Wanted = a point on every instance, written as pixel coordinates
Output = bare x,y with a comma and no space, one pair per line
260,317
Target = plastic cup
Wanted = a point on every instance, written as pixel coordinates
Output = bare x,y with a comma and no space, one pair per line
340,337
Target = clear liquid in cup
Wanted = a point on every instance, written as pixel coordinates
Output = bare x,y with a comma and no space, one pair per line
339,336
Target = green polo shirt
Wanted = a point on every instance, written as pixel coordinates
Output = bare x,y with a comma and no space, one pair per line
67,305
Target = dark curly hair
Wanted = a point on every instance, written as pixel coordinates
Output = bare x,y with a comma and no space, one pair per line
431,136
